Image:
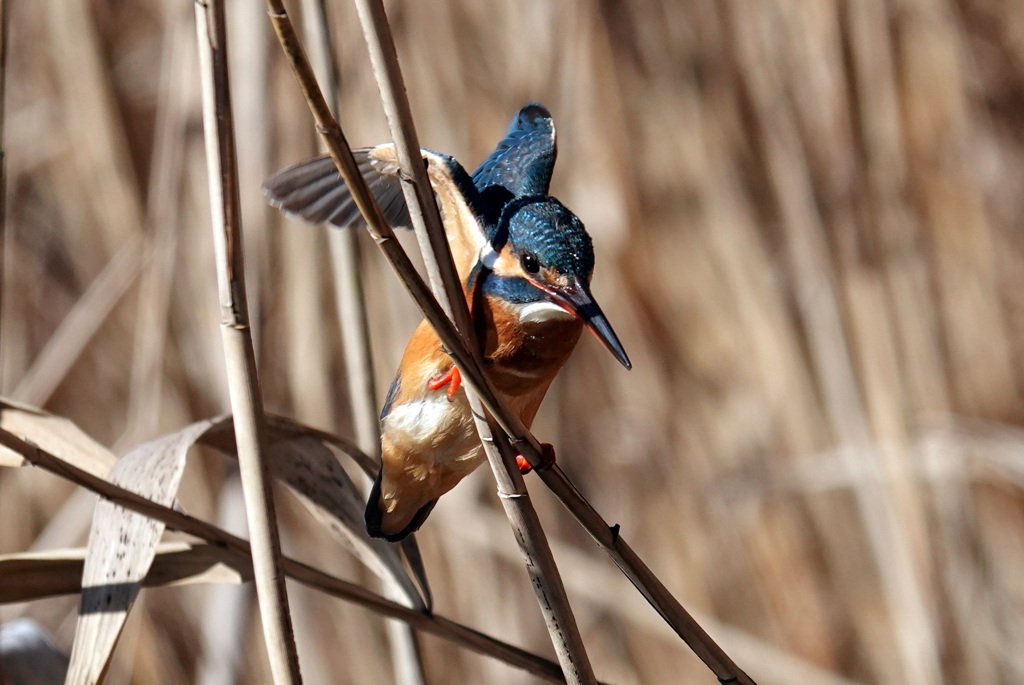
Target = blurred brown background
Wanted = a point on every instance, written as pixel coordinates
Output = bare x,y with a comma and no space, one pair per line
806,216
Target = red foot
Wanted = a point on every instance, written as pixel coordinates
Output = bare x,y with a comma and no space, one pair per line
452,376
547,458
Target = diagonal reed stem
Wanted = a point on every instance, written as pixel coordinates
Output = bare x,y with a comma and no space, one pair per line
347,270
346,259
243,383
529,533
649,585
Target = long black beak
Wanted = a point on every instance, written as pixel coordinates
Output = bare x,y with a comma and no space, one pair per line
576,299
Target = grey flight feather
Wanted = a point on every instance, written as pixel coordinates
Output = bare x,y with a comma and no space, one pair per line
313,191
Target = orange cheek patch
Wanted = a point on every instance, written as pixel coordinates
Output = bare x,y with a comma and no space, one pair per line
508,265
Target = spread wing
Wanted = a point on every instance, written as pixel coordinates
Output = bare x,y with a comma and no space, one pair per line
523,161
312,190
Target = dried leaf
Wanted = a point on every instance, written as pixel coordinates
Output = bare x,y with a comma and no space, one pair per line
122,545
55,435
28,657
30,576
298,457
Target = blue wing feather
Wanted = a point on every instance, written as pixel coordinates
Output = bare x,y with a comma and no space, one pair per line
390,399
523,161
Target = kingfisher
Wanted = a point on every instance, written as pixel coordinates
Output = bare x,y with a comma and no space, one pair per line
525,261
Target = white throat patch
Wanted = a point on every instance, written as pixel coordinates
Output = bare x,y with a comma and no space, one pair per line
538,312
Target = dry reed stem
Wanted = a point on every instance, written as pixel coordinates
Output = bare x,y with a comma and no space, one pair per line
346,259
207,532
350,299
596,585
243,383
249,66
426,219
650,586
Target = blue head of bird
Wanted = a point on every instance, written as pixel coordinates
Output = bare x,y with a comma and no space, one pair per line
542,266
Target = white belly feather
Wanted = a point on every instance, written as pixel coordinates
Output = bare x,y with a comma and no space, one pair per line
436,429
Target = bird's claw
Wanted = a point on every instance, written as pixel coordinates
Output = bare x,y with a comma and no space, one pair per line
547,458
452,377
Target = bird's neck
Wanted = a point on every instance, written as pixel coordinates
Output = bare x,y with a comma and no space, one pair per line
525,342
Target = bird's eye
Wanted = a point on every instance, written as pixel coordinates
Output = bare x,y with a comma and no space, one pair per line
530,263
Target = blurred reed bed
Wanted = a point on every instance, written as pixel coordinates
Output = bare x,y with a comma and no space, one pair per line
805,216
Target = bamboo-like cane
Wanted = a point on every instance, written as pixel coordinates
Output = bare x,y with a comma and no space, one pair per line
447,629
529,533
649,585
347,268
243,383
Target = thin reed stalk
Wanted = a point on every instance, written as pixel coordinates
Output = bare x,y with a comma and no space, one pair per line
243,383
436,625
717,660
347,271
346,261
526,526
